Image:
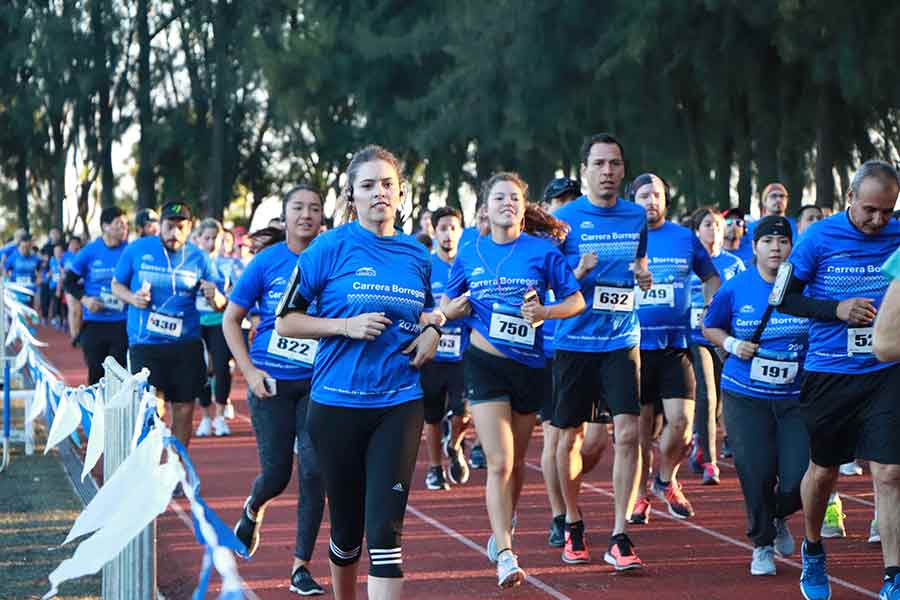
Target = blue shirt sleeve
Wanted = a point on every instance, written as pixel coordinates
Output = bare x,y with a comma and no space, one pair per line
718,315
803,257
248,288
124,268
315,267
456,282
561,278
80,262
703,265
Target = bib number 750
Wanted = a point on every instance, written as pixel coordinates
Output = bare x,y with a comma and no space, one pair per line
511,329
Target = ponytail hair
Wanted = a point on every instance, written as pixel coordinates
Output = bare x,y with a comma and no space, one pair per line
536,221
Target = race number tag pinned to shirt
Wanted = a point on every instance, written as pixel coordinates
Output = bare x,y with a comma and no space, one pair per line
24,280
859,340
661,294
613,299
511,328
111,301
696,318
450,344
776,372
164,325
294,349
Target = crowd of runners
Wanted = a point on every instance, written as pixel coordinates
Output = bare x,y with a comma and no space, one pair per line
587,310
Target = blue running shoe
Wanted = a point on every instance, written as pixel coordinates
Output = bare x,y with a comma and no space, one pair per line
814,583
890,590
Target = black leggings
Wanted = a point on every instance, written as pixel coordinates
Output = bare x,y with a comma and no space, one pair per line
218,350
367,457
276,422
100,339
708,410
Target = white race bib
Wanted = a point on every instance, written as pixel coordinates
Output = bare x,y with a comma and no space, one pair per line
613,299
777,372
24,280
111,301
450,345
859,340
294,349
696,318
164,325
512,329
661,294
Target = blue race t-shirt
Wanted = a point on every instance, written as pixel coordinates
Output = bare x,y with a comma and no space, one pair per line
469,235
497,277
23,270
54,273
174,279
728,265
349,271
776,370
230,268
618,235
455,338
744,252
837,261
96,264
674,252
261,285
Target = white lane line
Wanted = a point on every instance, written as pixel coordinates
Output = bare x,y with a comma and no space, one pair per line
842,494
470,544
722,537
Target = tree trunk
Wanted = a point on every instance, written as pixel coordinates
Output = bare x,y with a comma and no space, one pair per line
723,171
825,151
146,179
103,84
58,174
221,39
22,191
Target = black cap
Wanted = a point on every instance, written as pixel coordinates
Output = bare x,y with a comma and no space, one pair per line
144,216
110,214
560,186
26,237
175,210
773,225
733,213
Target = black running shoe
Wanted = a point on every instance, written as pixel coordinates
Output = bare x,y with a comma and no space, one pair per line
557,537
303,583
434,479
726,449
247,529
458,471
477,458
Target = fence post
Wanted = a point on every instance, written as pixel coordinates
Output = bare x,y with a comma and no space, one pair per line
132,574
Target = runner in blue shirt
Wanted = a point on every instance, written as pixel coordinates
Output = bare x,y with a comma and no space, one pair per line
89,280
73,306
57,277
806,216
9,248
761,388
597,362
160,278
278,371
23,268
667,377
735,232
772,201
849,398
498,280
442,378
709,226
370,285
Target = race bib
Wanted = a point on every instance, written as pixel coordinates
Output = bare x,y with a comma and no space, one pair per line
661,294
776,372
859,340
450,345
111,302
613,299
696,318
24,280
164,325
294,349
511,329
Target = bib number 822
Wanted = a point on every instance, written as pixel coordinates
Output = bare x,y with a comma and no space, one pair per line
293,346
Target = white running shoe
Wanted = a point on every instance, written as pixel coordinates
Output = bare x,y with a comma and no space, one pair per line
851,469
229,410
220,427
874,534
508,572
784,541
763,561
204,428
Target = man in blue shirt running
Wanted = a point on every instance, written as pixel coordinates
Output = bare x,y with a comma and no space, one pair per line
597,362
849,398
89,281
160,278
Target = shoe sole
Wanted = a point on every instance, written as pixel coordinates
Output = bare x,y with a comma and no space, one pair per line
297,590
875,539
762,573
512,579
710,482
575,561
611,560
833,534
437,488
677,515
639,520
828,597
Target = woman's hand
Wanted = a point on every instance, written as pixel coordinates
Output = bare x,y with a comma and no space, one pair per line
366,326
745,350
256,381
424,347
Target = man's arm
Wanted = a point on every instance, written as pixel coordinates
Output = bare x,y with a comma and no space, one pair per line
886,339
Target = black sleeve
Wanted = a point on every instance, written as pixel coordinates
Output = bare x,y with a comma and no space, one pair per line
73,286
798,305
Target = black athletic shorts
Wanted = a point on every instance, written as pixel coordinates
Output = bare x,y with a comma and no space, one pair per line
177,370
491,378
443,387
549,404
852,416
588,386
666,373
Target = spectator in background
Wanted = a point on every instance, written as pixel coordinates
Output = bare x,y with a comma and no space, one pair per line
807,215
146,222
425,226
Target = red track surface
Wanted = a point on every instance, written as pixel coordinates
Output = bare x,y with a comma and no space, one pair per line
706,558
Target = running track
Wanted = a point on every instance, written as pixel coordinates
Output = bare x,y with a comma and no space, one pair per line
705,558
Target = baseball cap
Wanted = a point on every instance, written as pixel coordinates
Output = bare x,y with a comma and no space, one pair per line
773,225
175,210
733,213
144,216
560,186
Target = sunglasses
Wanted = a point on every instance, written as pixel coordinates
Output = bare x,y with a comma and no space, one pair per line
733,221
